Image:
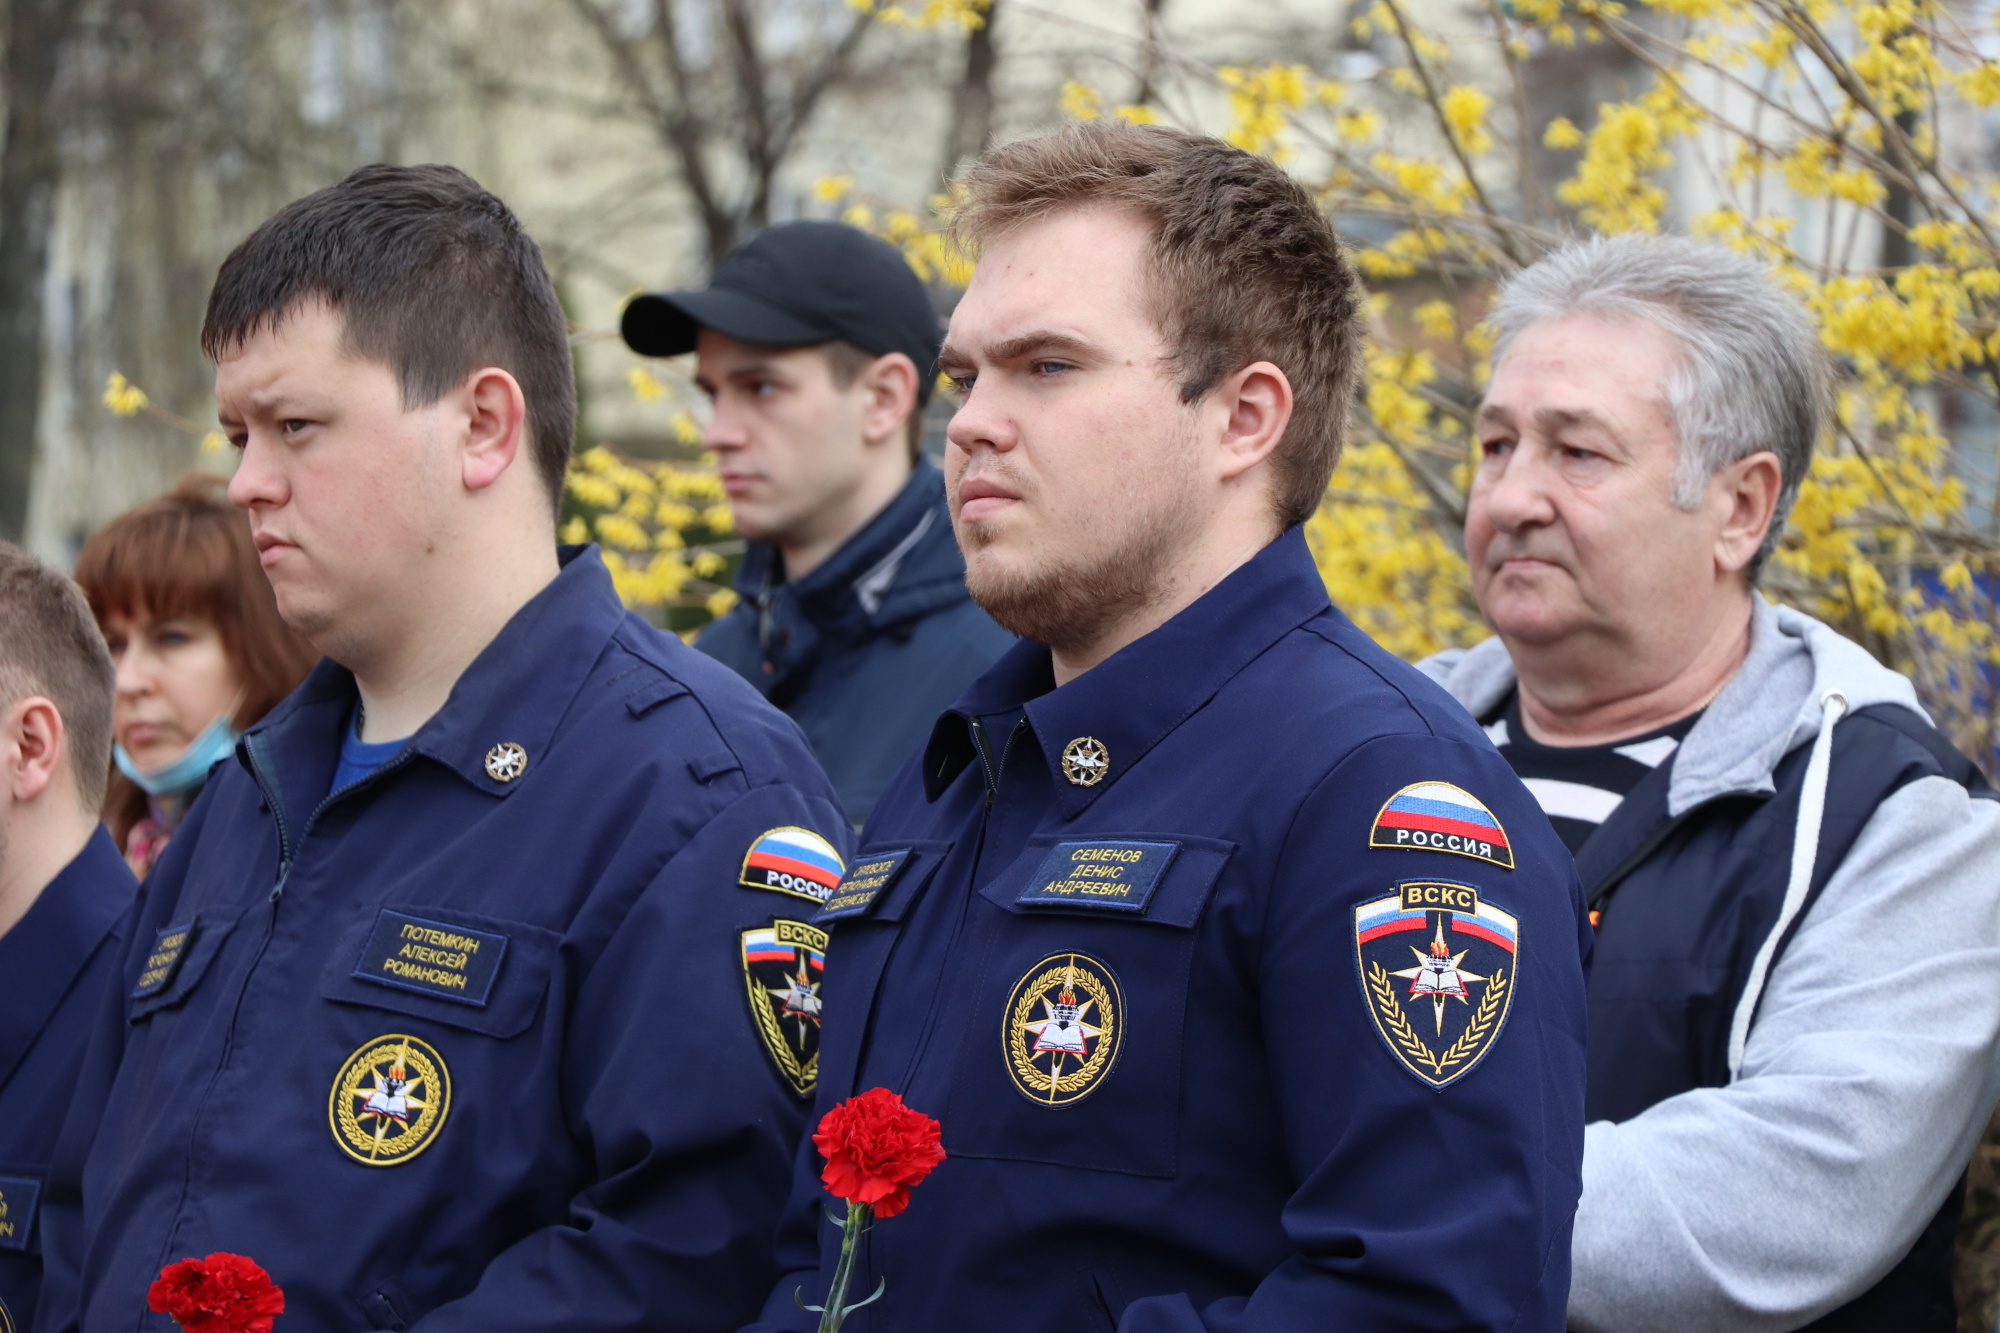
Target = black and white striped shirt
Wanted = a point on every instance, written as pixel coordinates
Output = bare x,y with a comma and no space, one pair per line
1578,786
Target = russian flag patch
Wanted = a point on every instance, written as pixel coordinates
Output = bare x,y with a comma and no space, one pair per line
795,861
1438,817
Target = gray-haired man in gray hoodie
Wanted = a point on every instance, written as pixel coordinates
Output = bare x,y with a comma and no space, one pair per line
1795,999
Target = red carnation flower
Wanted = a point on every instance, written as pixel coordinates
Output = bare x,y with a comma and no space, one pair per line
875,1149
224,1293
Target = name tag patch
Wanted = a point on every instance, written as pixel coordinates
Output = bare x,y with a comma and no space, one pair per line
432,958
17,1210
864,884
1114,876
169,947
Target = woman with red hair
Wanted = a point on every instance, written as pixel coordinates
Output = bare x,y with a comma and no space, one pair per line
201,653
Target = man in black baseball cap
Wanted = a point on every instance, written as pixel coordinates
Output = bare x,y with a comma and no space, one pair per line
817,346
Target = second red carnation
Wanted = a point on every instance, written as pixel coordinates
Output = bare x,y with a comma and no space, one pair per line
224,1293
876,1148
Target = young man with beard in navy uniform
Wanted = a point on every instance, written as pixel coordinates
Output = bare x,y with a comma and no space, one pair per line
459,999
1244,977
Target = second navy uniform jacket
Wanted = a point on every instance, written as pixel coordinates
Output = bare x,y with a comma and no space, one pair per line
511,1035
55,965
1245,980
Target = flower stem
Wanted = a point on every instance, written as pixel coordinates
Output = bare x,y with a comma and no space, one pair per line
843,1273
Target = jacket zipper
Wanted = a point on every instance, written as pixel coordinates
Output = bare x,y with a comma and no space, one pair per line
287,851
991,771
1600,896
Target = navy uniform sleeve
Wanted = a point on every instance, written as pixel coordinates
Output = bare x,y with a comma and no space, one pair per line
689,1117
1421,983
59,1218
799,1280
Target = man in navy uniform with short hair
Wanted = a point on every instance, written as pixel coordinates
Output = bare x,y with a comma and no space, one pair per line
1244,977
479,989
64,890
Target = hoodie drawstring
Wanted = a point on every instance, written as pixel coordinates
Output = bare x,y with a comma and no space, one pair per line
1805,851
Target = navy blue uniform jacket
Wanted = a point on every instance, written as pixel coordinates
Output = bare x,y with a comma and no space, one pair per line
55,966
866,650
473,1042
1246,981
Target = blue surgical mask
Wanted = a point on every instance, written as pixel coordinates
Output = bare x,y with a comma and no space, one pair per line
185,773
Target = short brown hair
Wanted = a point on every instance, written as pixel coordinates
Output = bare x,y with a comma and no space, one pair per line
1244,267
189,555
49,646
432,276
845,362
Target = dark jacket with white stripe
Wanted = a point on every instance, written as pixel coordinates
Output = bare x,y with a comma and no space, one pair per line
866,650
1794,1039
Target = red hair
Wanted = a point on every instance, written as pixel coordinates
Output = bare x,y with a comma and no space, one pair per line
188,555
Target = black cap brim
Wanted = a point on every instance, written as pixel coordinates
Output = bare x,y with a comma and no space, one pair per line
670,323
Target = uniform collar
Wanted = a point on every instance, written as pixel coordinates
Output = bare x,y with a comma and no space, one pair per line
522,685
514,693
903,550
1136,697
42,956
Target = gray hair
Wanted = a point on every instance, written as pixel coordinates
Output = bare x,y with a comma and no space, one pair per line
1752,376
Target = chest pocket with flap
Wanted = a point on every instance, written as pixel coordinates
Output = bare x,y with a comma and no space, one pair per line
467,971
1070,1042
180,956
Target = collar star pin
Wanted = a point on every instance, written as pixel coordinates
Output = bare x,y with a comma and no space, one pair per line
506,761
1085,761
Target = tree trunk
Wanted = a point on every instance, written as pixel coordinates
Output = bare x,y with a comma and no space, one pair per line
1149,58
972,101
37,31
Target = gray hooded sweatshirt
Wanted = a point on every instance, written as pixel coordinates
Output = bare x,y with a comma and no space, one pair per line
1874,1058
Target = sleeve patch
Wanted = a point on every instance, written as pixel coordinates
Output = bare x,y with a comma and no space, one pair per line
1438,969
792,860
1438,817
782,966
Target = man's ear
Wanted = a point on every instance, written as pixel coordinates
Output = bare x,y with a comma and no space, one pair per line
496,426
1255,405
33,748
890,383
1747,492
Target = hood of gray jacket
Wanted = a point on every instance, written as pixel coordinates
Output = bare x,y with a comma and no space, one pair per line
1770,705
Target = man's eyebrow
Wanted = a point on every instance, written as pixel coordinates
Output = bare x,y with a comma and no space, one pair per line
267,401
1552,419
753,370
1015,349
1547,419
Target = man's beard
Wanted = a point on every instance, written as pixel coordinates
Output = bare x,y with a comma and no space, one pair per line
1071,604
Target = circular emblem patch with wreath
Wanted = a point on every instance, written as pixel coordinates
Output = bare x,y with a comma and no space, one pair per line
1062,1029
389,1100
